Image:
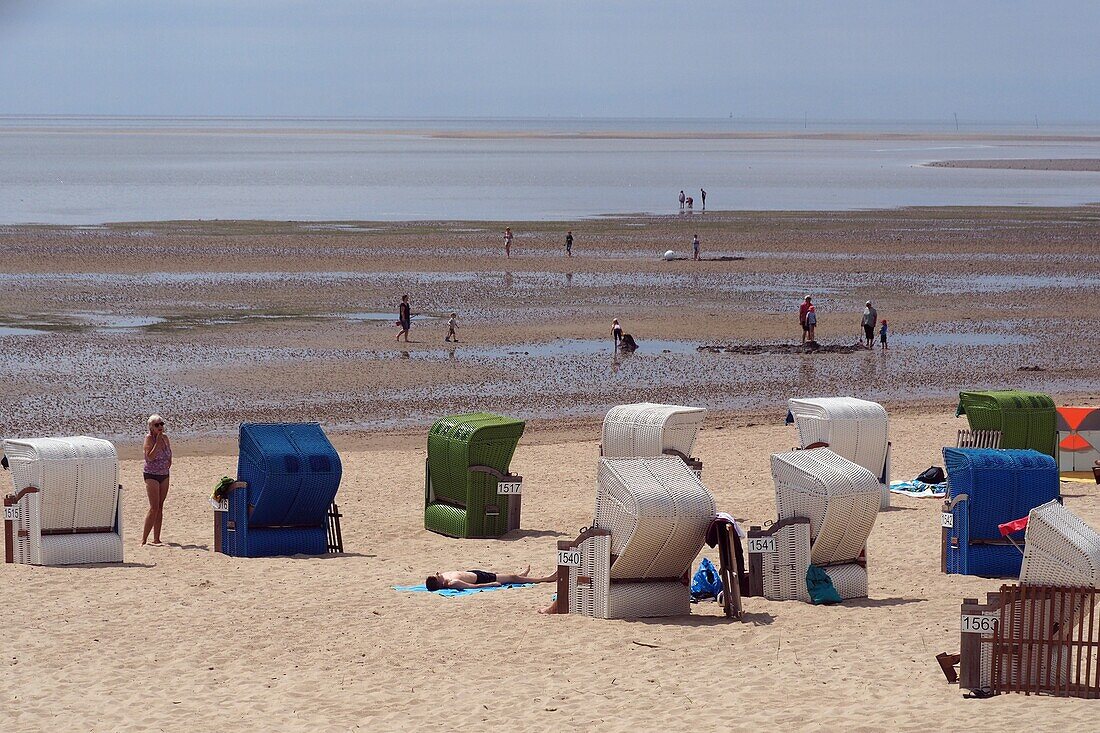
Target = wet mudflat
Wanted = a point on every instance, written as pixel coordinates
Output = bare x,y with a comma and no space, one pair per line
223,331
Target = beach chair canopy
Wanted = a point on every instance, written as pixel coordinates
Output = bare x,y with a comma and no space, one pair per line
293,473
1060,549
853,428
1000,485
839,497
657,511
649,429
77,479
460,502
1025,419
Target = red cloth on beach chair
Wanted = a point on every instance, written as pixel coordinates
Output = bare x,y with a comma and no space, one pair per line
1015,525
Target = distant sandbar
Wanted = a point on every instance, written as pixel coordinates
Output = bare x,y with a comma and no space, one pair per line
1086,165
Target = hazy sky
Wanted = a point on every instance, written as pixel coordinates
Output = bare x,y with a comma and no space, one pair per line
834,59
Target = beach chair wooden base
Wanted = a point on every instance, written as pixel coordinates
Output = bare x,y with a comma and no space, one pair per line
1030,639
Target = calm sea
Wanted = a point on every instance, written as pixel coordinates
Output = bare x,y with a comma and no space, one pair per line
95,170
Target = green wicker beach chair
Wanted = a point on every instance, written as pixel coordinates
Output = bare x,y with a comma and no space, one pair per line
1025,419
468,490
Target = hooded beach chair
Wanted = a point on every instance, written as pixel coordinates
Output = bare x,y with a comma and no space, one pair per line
651,521
988,488
287,478
468,489
67,506
651,429
856,429
1025,419
827,507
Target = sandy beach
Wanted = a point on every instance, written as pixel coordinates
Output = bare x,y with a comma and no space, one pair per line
212,323
181,638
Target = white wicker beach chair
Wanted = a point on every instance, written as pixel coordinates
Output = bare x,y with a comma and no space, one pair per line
650,429
841,500
1060,549
856,429
67,506
651,520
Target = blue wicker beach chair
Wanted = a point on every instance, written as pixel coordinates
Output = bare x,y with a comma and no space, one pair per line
987,488
287,478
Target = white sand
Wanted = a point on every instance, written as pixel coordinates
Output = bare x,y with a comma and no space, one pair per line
182,639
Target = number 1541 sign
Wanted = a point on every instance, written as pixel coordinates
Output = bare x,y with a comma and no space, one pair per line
762,545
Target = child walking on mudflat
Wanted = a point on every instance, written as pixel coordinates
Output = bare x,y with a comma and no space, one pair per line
882,334
452,325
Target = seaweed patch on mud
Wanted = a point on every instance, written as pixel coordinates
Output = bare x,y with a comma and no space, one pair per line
811,347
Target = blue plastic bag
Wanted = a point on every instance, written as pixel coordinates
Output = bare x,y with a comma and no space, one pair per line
706,583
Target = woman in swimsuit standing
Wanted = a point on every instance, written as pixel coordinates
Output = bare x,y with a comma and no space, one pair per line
158,462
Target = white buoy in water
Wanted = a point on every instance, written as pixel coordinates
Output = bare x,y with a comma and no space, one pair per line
669,255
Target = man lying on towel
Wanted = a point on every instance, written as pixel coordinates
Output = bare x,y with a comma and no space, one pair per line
459,579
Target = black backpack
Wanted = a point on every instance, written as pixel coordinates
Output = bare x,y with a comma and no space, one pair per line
932,475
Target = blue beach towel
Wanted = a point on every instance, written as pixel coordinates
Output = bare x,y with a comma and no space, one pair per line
919,489
451,592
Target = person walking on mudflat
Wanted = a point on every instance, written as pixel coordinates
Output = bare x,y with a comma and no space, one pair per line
695,247
508,241
703,198
569,244
802,310
870,319
404,318
452,326
683,198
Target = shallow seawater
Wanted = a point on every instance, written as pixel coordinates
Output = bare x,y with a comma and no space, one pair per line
375,316
114,321
959,339
19,331
1009,283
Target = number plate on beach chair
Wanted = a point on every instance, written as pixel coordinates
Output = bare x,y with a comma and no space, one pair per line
947,519
512,488
220,506
978,624
11,513
762,545
570,558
